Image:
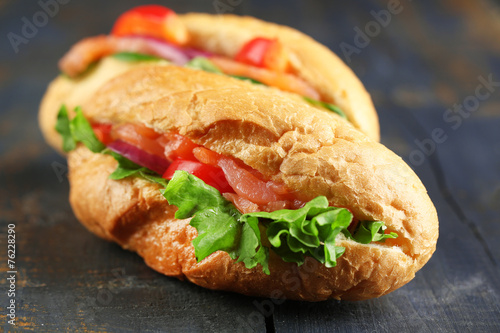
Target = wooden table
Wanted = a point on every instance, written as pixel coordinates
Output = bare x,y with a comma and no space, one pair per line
420,62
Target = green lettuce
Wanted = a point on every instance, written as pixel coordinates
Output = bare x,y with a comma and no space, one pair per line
325,105
371,231
82,131
293,234
216,220
203,64
245,78
308,231
77,130
62,127
127,168
135,57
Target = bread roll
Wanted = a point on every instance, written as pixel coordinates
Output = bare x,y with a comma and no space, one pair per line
310,60
225,35
310,151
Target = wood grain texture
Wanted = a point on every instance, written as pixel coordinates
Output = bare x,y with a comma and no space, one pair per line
426,60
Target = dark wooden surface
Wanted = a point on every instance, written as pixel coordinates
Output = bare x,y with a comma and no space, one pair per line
426,60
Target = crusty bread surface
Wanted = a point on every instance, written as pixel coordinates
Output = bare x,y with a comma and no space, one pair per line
311,151
310,60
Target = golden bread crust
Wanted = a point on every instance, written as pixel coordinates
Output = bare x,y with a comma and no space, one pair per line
312,152
310,60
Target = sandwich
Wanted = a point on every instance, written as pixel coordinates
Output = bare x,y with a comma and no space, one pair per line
229,180
246,48
235,186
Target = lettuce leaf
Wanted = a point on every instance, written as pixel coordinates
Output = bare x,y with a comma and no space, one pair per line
203,64
134,57
248,79
127,168
293,234
82,131
325,105
216,220
77,130
62,127
308,231
371,231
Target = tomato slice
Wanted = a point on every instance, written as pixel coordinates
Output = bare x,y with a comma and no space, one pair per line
206,156
153,21
103,132
264,52
177,146
209,157
243,205
246,184
146,132
141,137
211,175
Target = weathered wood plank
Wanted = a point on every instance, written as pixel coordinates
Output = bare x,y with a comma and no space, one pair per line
428,58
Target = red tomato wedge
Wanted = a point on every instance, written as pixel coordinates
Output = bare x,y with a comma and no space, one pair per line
146,132
245,184
211,175
206,156
245,181
177,146
264,52
153,21
283,81
103,132
141,137
243,205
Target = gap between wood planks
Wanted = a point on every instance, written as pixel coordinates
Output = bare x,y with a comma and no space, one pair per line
437,170
270,324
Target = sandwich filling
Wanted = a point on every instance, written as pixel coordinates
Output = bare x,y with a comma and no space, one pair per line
233,207
149,33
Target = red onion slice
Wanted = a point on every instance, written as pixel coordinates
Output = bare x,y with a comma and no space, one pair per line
193,53
167,51
176,54
139,156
